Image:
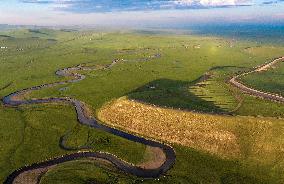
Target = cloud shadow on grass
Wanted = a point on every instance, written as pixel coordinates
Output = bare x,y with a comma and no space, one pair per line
173,94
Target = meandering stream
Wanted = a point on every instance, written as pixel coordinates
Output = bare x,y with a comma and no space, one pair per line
15,99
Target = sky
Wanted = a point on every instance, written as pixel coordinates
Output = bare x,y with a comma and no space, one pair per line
139,12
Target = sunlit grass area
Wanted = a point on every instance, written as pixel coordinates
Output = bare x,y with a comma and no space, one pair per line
250,140
271,80
164,70
31,134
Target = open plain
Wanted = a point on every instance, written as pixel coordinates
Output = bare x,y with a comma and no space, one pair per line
153,97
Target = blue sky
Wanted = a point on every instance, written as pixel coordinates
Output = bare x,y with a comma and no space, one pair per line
139,12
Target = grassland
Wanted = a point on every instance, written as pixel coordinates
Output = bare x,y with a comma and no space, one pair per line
32,136
271,81
31,133
246,139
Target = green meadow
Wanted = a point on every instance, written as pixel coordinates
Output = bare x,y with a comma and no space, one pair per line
177,71
271,81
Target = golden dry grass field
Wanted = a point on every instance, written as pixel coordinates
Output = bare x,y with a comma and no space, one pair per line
245,147
221,135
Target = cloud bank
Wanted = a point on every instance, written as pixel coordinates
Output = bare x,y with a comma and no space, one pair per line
139,12
213,3
128,5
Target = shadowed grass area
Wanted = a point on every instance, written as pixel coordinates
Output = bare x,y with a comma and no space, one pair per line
86,172
31,133
174,94
251,143
192,167
214,88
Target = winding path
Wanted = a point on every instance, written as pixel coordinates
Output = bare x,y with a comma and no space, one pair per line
254,92
15,99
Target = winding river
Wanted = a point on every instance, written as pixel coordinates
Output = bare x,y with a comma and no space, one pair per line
15,99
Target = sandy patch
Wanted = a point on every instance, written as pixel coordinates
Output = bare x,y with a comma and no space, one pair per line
20,96
31,177
154,157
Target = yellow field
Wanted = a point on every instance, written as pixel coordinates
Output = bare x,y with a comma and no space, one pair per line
225,136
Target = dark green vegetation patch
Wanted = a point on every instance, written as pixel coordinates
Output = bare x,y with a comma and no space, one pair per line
186,72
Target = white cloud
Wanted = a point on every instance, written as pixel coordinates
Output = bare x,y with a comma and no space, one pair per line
212,3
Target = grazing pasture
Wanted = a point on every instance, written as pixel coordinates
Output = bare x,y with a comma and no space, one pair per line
271,80
174,73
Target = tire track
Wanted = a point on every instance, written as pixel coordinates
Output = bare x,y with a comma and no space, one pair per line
235,81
